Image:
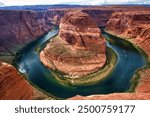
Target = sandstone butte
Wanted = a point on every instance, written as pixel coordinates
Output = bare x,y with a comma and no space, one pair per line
79,49
14,87
134,27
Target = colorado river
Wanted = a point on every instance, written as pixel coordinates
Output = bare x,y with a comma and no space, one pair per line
129,60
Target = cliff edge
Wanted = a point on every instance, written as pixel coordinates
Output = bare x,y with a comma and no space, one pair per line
14,87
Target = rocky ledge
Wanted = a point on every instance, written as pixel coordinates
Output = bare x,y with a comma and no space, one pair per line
114,96
14,87
79,49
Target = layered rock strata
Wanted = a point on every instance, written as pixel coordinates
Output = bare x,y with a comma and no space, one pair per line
14,87
79,49
17,28
133,26
100,15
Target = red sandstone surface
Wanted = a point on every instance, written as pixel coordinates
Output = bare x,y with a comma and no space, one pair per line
131,25
79,49
115,96
14,87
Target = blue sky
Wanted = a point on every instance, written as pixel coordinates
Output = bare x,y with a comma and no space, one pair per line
81,2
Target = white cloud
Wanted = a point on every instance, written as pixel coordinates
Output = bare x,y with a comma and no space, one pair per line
83,2
140,1
32,2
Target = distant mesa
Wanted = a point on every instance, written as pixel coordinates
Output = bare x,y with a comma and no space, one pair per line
79,49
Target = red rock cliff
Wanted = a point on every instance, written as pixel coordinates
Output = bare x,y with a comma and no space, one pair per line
100,15
14,87
135,26
17,28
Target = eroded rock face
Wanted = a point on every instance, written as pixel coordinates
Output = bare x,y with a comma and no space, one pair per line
17,28
144,85
79,30
135,26
100,15
14,87
79,49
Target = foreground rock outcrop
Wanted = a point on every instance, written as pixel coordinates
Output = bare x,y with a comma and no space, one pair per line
79,49
18,28
115,96
14,87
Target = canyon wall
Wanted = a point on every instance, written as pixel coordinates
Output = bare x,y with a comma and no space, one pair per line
79,49
21,27
17,28
133,26
100,15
